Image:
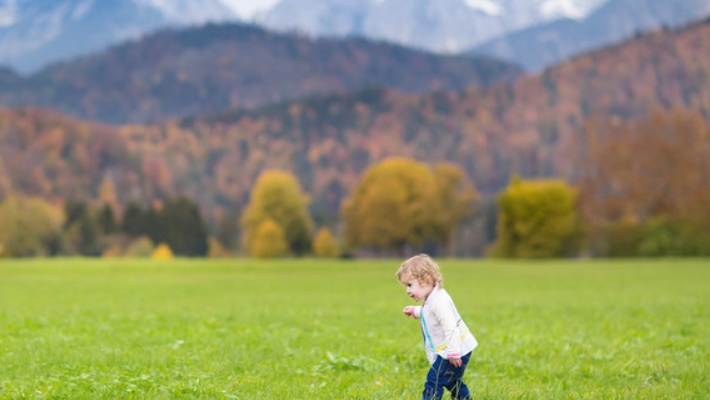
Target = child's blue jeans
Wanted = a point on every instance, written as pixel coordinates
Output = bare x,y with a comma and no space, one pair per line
444,375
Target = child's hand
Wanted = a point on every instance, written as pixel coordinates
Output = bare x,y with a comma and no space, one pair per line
408,311
455,361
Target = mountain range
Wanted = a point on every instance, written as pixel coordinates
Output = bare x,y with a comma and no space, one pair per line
212,67
532,33
540,46
436,25
34,33
529,127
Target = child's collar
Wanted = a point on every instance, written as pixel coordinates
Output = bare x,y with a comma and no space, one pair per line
436,289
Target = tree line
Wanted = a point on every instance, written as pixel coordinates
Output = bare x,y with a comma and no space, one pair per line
34,227
640,189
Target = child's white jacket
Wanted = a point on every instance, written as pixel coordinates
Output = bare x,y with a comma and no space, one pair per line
444,331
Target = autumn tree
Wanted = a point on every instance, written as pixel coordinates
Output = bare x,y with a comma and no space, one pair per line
659,165
650,171
29,227
215,249
401,202
389,207
141,247
107,192
454,197
325,245
162,252
536,219
269,241
277,195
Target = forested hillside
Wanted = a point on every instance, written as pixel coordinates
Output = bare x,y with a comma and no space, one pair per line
206,69
530,128
56,157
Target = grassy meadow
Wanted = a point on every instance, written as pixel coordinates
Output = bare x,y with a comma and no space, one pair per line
314,329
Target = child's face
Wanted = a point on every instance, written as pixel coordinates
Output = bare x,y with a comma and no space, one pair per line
418,290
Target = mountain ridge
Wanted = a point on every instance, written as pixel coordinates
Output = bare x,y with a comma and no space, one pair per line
533,34
541,46
217,66
447,26
35,33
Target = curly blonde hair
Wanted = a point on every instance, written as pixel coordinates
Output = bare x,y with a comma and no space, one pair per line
422,268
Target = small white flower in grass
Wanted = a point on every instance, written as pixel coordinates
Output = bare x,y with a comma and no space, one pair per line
178,344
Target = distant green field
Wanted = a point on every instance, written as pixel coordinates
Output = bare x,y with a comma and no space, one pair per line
311,329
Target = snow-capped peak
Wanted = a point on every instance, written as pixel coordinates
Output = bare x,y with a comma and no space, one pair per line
574,9
249,10
489,7
8,13
82,9
191,11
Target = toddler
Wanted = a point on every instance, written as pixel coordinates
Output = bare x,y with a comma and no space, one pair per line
447,340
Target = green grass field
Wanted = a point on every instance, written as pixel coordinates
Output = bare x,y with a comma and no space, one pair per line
312,329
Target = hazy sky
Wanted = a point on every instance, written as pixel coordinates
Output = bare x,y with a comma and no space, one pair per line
247,8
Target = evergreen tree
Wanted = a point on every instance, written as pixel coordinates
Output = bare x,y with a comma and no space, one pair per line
184,228
107,220
228,230
74,210
133,224
154,225
82,228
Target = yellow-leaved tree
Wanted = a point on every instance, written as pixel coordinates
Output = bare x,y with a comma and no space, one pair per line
269,241
140,247
29,227
325,245
162,252
455,198
215,248
400,202
537,218
277,196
